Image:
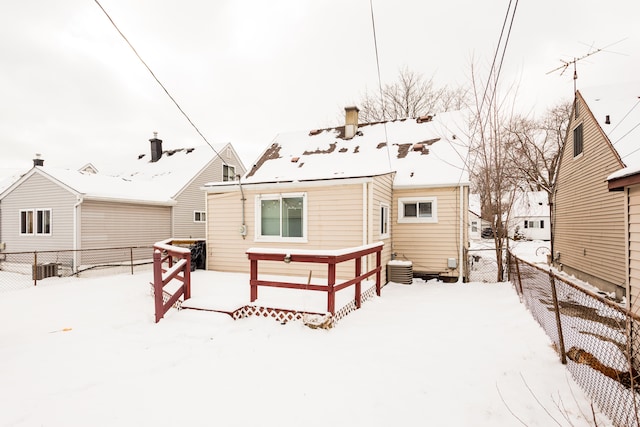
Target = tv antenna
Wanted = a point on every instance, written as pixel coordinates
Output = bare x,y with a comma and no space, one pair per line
565,64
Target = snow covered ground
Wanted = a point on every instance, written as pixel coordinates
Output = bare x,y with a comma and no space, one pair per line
77,352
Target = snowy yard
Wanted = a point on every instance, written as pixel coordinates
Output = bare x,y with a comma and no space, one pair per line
79,352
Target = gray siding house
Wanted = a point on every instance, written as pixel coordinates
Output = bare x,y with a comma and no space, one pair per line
154,197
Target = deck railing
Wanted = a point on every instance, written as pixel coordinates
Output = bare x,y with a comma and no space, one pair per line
165,271
330,258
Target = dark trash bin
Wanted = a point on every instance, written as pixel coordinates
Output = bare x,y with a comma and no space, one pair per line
198,256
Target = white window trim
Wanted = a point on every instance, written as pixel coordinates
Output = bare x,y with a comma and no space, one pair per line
34,213
258,237
388,233
228,166
408,220
200,221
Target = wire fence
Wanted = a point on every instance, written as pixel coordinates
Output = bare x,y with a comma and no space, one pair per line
597,338
482,265
19,270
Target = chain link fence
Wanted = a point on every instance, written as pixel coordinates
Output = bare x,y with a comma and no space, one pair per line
596,337
19,270
482,265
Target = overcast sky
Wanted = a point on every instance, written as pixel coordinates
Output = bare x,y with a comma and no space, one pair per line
245,70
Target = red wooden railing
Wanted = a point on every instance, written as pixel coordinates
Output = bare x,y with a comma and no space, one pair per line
331,258
165,271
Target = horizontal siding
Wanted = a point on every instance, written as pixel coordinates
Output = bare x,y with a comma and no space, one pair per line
382,193
38,192
106,224
193,198
589,220
334,221
428,245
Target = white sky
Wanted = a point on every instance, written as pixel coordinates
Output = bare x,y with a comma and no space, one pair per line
244,70
86,351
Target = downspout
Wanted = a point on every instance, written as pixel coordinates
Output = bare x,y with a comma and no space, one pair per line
365,226
243,228
75,232
462,226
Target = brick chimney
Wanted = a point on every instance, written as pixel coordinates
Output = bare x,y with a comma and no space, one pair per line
350,122
156,147
38,161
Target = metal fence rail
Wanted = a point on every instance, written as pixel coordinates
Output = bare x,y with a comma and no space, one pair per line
19,270
597,338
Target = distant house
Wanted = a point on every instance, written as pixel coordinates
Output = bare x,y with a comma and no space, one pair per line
589,221
476,223
530,216
154,197
402,182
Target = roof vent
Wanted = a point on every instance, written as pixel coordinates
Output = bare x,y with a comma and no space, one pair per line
156,147
607,120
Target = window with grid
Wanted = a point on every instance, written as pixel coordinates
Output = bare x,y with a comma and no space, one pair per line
281,217
422,209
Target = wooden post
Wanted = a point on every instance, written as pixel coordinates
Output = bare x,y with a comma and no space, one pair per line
519,287
157,283
253,280
358,283
378,263
331,280
187,277
35,268
131,259
563,354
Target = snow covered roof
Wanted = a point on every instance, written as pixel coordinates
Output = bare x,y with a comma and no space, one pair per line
138,180
428,151
8,177
531,204
620,104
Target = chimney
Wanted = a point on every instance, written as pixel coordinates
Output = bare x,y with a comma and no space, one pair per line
156,147
350,122
38,161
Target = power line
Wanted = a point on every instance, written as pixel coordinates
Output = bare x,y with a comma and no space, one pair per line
159,82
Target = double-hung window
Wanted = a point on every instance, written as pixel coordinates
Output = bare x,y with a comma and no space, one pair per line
228,173
281,217
418,209
35,222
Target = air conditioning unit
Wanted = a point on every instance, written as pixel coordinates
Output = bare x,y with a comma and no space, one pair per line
400,272
42,271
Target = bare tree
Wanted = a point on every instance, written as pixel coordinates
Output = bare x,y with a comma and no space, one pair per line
410,96
535,146
493,176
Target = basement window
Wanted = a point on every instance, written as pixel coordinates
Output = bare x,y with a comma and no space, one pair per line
281,217
35,222
417,210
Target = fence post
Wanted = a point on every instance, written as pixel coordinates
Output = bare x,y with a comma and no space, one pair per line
157,283
253,278
378,263
556,306
519,287
35,268
331,295
358,283
131,258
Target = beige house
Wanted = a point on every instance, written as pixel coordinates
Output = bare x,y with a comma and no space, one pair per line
403,183
590,223
153,197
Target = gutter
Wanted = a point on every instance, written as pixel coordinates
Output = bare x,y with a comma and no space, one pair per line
76,207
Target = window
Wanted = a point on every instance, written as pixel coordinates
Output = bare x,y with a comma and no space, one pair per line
228,173
474,226
35,221
421,209
384,220
281,217
534,224
199,216
577,140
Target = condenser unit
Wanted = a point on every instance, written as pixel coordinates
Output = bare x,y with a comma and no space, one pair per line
400,272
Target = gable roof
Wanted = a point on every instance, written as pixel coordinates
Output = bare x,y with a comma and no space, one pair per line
620,103
8,177
429,151
136,181
531,204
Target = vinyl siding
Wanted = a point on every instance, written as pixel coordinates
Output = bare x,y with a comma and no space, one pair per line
334,215
38,192
382,193
105,224
429,245
193,198
589,220
634,248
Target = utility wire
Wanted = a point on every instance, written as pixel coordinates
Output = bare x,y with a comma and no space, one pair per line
159,82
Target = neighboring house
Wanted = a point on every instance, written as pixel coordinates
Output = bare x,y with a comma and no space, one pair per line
158,197
476,223
589,228
402,182
7,178
530,216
